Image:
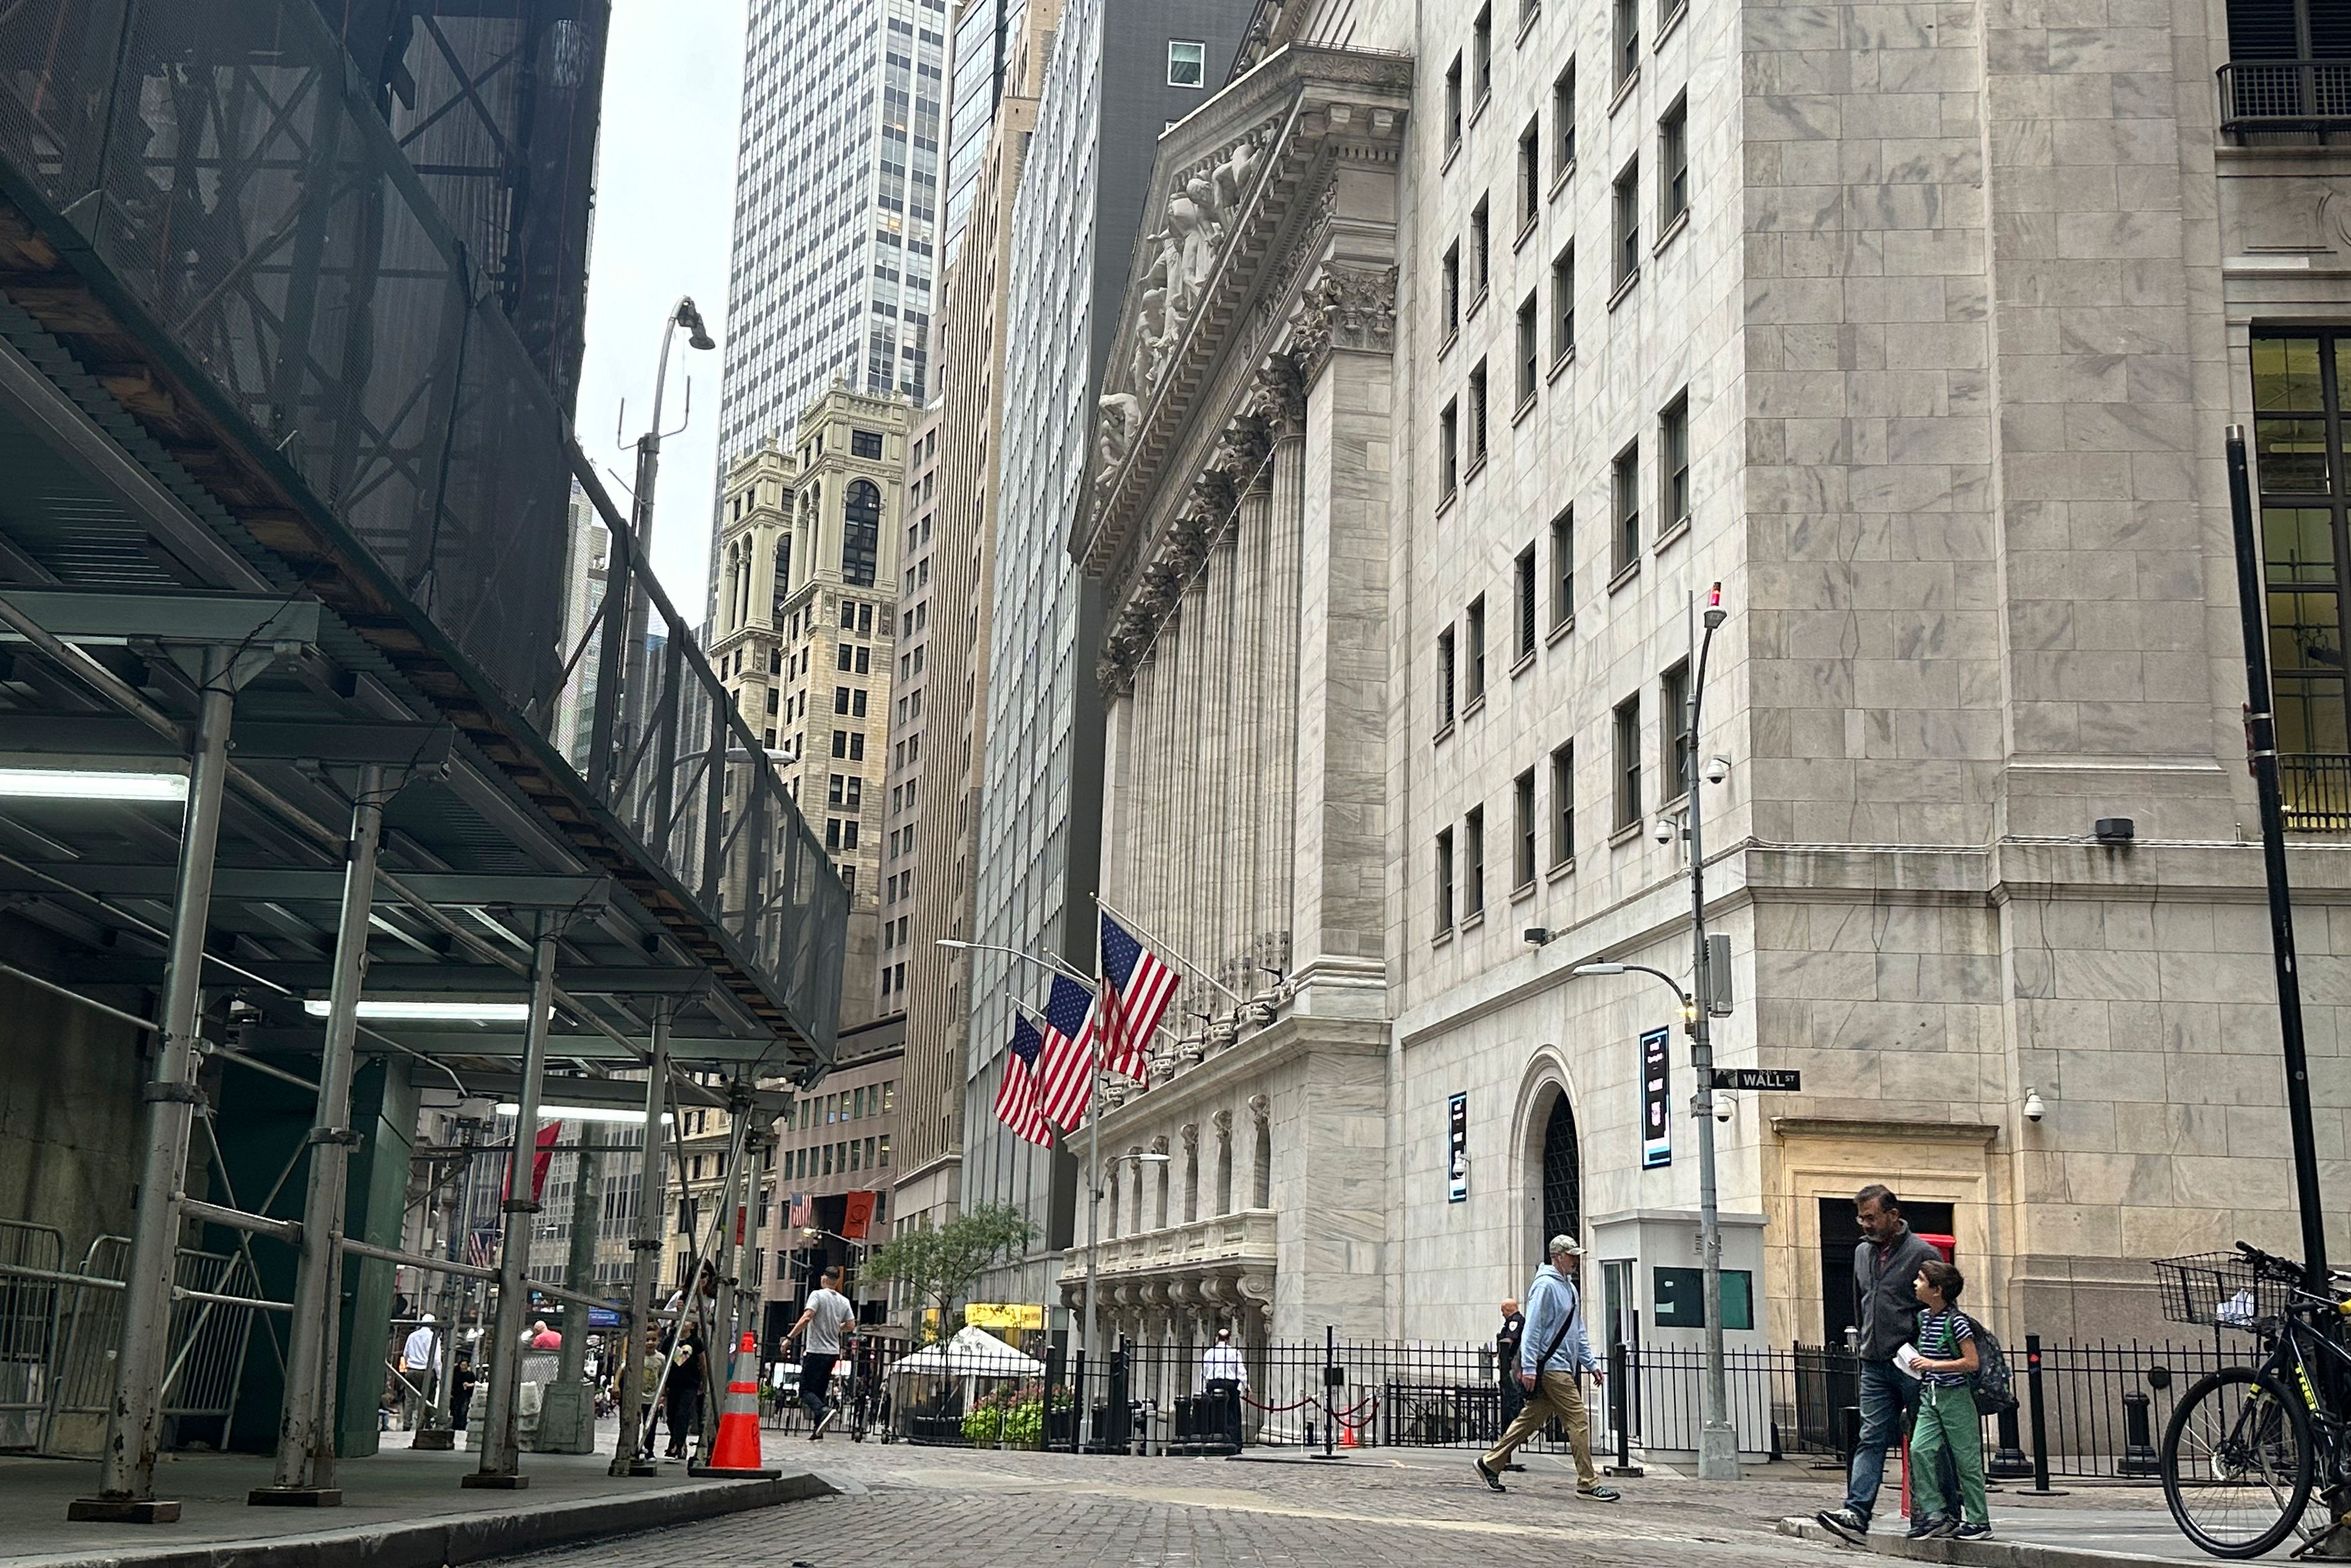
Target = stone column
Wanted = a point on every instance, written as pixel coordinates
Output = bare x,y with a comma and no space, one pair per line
1159,786
1278,722
1199,651
1121,685
1252,692
1213,846
1338,905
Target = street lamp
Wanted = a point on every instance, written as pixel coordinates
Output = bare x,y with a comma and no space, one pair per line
1718,1446
640,511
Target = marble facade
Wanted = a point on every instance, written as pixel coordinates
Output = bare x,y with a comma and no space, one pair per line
1923,350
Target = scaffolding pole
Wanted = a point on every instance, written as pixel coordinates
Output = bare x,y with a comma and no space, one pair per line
305,1471
500,1468
644,1257
126,1491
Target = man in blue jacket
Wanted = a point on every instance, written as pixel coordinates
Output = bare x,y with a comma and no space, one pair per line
1554,1351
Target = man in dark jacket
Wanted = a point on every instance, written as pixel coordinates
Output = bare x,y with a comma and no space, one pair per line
1887,1312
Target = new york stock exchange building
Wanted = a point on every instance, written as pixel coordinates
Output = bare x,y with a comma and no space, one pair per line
1455,365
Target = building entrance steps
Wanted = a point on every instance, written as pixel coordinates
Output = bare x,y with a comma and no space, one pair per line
401,1508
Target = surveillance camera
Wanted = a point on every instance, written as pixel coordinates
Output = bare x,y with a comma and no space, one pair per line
1718,769
2034,1109
1663,831
1723,1108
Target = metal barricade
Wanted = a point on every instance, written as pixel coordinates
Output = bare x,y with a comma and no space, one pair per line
90,1331
208,1342
32,1263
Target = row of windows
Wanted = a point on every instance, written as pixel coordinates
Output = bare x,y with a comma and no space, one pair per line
1462,663
1460,867
847,1105
838,1159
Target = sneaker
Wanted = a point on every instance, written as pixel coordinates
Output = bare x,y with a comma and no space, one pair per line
1845,1525
1599,1492
1972,1532
1486,1473
826,1425
1928,1529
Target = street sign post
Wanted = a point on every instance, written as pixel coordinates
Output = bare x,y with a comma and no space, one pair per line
1760,1080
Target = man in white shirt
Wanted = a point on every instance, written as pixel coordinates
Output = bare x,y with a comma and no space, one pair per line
1223,1376
825,1324
418,1362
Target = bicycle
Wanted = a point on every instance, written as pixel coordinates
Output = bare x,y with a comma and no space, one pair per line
2246,1445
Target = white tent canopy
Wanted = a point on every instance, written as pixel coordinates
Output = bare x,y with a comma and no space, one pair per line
973,1353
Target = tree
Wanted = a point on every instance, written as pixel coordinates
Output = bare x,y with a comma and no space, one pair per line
938,1264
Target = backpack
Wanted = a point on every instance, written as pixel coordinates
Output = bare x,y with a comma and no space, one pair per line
1994,1383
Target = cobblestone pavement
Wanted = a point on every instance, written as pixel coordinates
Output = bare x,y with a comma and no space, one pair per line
902,1505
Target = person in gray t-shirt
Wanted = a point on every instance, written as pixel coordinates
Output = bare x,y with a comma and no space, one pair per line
821,1331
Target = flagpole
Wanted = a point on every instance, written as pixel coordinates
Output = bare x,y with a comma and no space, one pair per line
1136,926
1106,998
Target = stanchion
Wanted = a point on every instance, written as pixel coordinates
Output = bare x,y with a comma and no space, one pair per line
2007,1460
1331,1380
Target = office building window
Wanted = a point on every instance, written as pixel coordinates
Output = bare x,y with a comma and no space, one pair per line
1628,40
1562,303
865,444
1629,761
1676,749
1626,483
1673,464
861,536
1474,661
1445,678
1187,63
1522,831
1477,417
1530,350
1530,172
1523,599
1673,164
1481,51
1563,568
1449,290
1444,881
1448,450
1562,119
1473,863
1453,106
1628,224
1562,804
2301,381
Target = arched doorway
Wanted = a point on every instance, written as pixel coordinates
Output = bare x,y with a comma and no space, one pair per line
1562,1172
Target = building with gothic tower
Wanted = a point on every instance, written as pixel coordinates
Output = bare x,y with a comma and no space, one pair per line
1465,348
804,631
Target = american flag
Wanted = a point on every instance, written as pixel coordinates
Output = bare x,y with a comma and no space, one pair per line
1136,989
1016,1097
482,1247
1065,1068
803,1212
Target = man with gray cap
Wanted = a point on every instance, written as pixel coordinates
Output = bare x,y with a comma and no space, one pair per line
1553,1354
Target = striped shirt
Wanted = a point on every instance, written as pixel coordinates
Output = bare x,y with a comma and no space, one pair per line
1941,1334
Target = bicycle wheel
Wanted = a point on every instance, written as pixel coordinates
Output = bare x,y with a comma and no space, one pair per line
2236,1463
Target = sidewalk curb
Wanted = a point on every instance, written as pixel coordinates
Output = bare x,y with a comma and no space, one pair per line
452,1539
1978,1554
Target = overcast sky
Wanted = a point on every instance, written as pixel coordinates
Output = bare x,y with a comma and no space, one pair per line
665,221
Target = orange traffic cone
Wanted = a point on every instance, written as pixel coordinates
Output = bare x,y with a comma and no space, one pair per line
736,1451
1346,1432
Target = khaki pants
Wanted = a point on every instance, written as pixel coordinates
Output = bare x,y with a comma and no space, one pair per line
1555,1394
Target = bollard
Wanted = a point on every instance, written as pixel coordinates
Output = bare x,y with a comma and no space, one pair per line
2040,1486
2138,1442
1620,1408
2007,1461
1081,1410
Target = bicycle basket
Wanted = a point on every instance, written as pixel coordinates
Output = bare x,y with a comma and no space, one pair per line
2220,1290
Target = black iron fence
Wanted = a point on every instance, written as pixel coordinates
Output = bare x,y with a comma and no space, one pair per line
2084,1411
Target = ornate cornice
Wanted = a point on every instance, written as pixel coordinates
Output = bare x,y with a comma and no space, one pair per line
1344,307
1247,206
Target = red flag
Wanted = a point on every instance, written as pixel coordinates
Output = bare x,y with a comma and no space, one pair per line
538,1162
857,1215
544,1158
